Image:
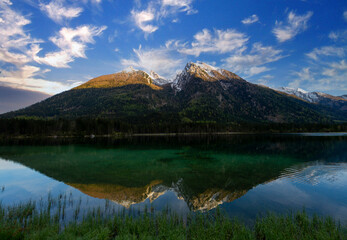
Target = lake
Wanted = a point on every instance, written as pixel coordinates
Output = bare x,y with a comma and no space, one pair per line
243,175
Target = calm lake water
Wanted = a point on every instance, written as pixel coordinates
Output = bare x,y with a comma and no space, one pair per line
245,175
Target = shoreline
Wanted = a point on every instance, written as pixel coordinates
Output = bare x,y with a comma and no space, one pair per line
127,135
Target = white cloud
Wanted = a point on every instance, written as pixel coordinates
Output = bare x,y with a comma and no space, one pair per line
56,11
252,19
13,38
220,41
326,51
149,19
184,4
18,49
95,2
252,63
338,35
173,6
345,15
24,78
234,44
328,74
342,65
159,60
295,24
72,44
142,20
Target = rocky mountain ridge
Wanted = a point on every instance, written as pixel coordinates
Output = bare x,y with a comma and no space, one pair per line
338,102
200,93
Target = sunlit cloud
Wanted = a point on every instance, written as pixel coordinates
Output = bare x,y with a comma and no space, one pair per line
14,40
294,25
26,78
19,50
72,44
56,11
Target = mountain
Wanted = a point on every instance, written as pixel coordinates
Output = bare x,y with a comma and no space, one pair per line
323,99
200,93
126,77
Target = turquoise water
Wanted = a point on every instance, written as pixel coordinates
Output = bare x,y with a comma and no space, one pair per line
244,175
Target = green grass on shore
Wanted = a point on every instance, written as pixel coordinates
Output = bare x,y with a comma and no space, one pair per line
25,221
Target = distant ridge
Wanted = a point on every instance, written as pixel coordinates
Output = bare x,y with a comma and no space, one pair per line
324,99
200,93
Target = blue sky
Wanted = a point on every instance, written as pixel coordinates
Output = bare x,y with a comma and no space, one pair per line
52,46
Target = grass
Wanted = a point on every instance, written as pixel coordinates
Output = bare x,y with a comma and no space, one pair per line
48,221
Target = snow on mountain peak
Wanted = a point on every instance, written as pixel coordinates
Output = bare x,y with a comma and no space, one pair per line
154,75
202,71
312,97
205,66
157,79
130,69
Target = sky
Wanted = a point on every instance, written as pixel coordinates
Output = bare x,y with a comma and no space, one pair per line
52,46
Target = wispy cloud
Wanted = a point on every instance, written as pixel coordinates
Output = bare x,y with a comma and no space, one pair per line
326,70
252,19
174,6
340,35
233,43
294,25
19,51
150,18
14,40
96,2
72,44
345,15
25,77
58,12
253,63
329,78
160,60
218,41
143,18
326,51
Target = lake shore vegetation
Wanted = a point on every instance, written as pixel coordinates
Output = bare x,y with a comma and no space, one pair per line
51,221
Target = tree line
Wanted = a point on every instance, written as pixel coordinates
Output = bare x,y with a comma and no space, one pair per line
103,126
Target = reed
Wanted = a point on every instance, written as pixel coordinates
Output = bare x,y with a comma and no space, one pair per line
47,220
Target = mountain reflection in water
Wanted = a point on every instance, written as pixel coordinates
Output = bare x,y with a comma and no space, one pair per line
205,172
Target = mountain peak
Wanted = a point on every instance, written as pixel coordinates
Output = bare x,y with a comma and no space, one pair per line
129,76
154,75
202,71
129,69
157,79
